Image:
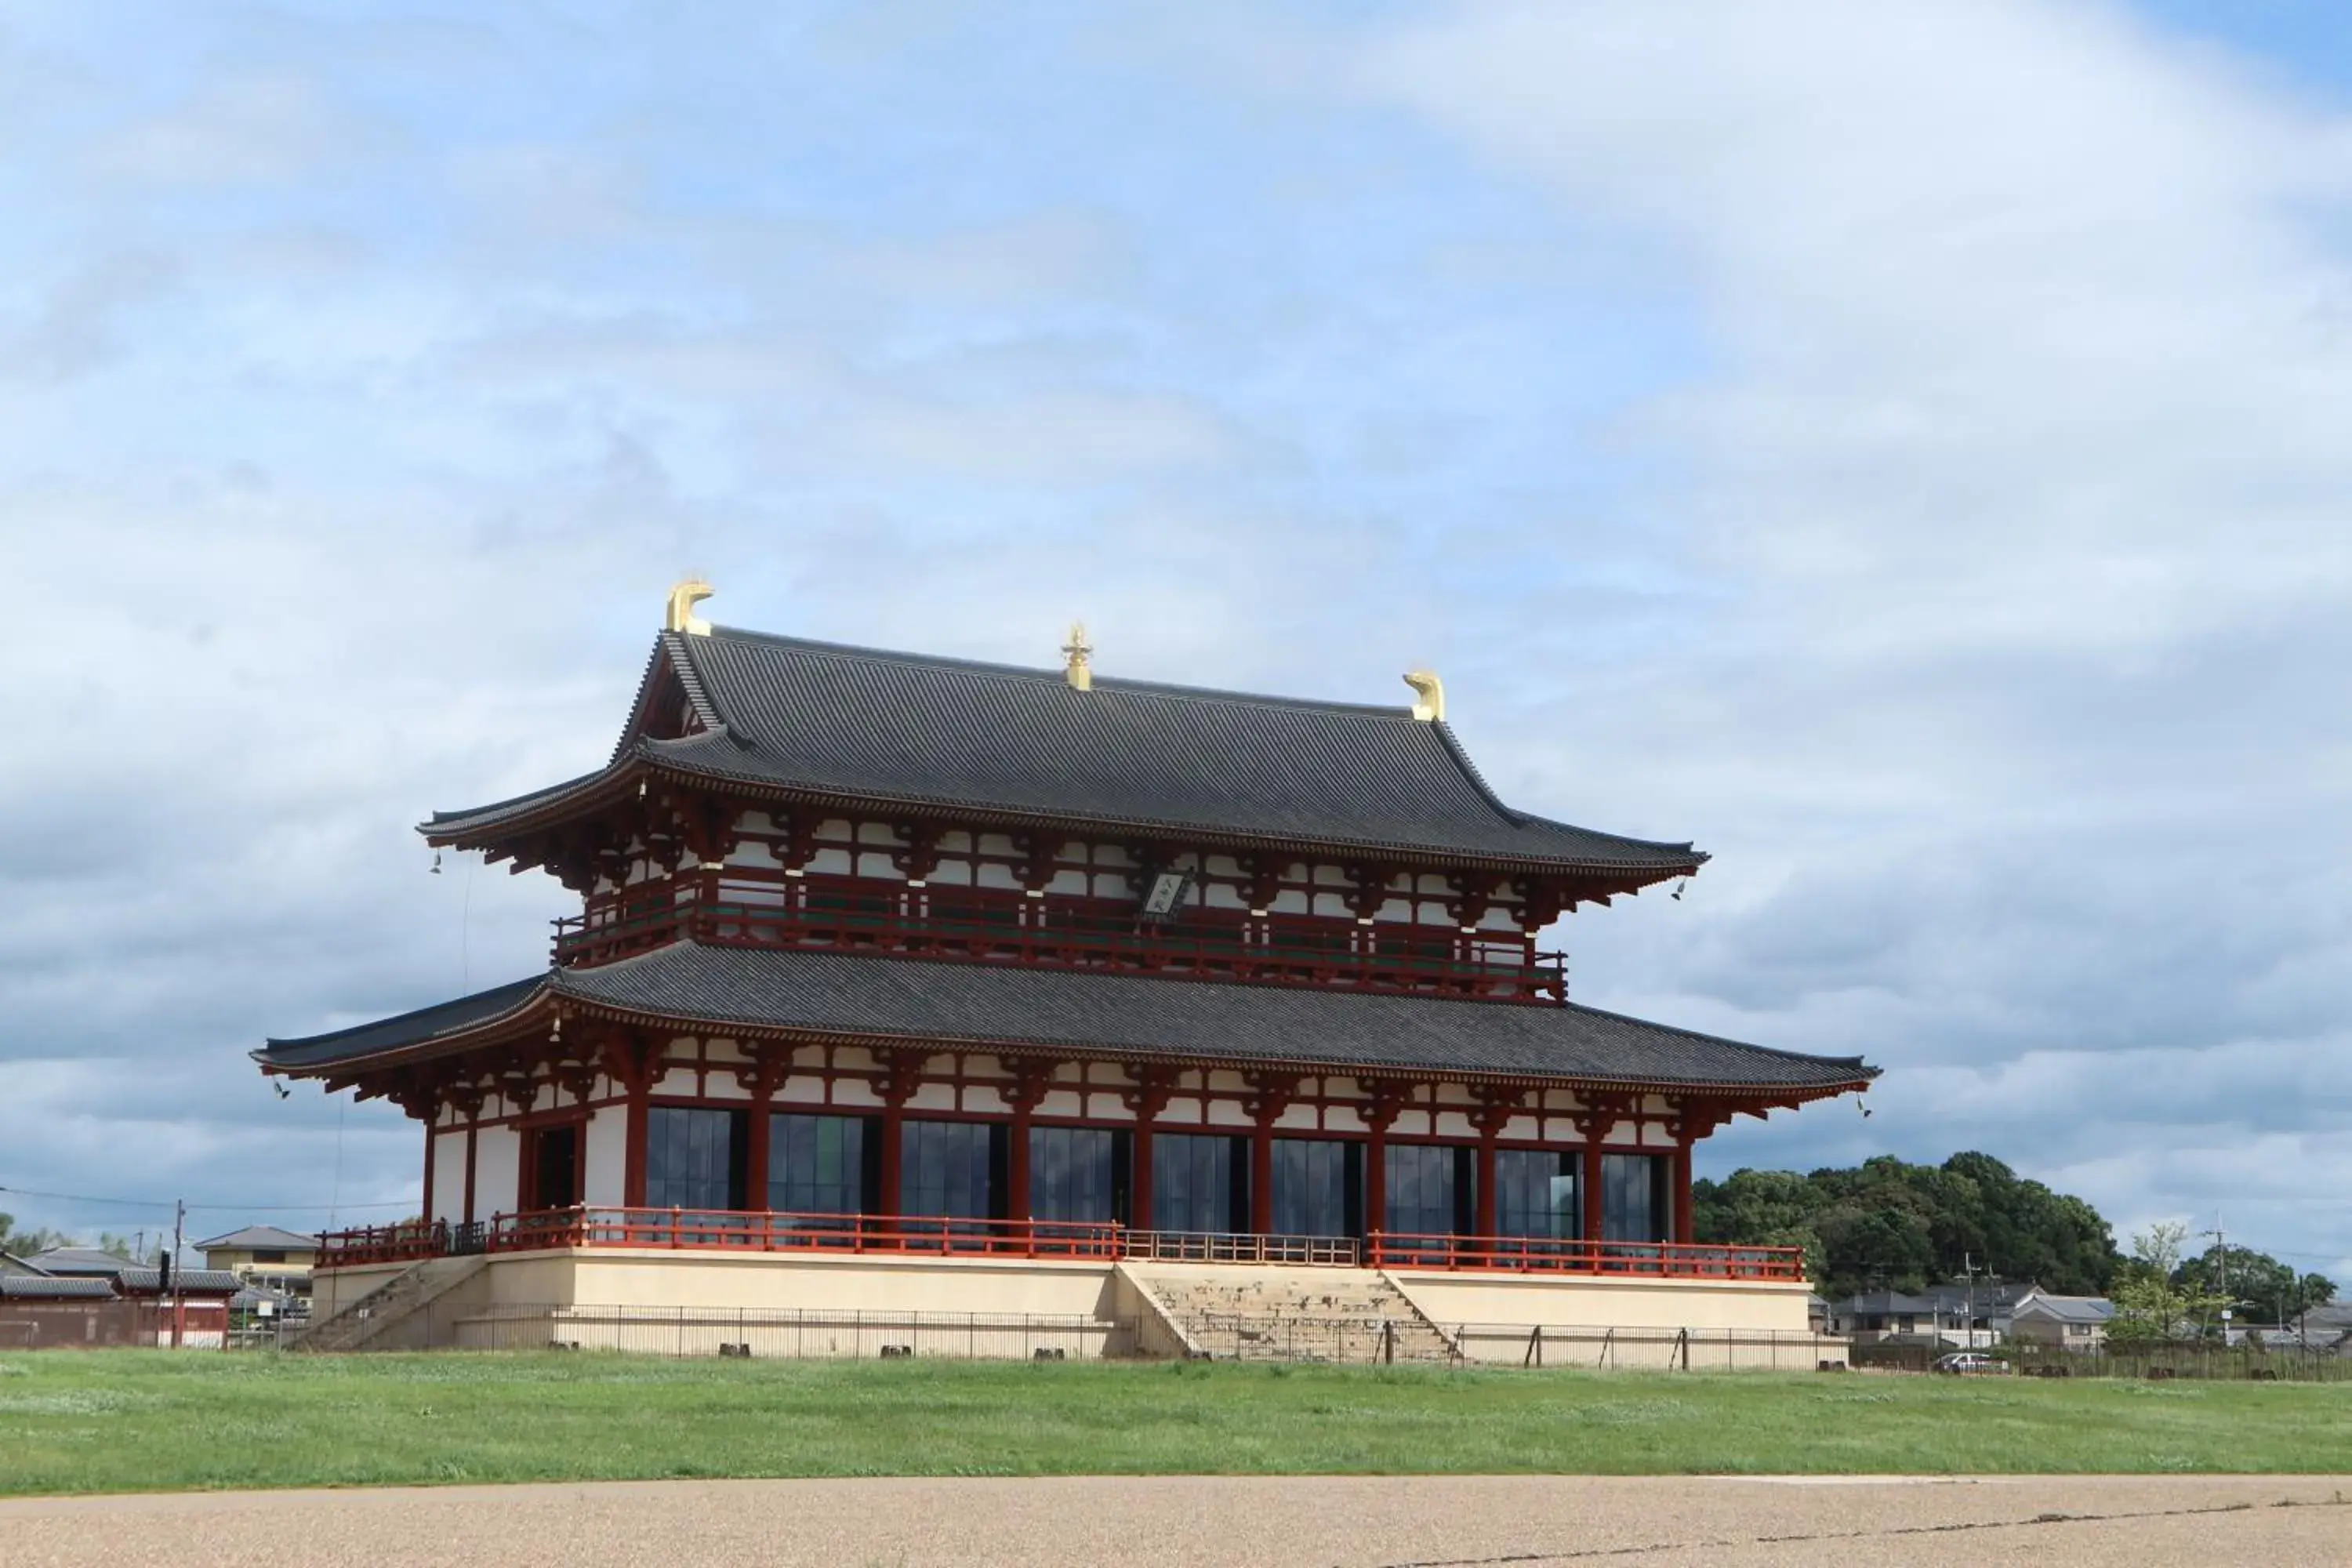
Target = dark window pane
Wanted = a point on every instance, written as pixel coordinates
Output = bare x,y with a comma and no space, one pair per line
1535,1194
1630,1210
816,1164
1072,1173
1422,1194
689,1158
1192,1185
1316,1184
945,1169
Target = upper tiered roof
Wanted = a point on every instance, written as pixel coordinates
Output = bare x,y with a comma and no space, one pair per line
860,727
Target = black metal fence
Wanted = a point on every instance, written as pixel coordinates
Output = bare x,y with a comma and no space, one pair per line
762,1332
2190,1358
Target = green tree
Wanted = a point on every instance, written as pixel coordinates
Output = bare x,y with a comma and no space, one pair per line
25,1243
2257,1287
1903,1227
2155,1303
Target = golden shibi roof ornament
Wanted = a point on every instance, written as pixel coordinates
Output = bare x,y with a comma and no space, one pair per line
682,600
1430,691
1080,671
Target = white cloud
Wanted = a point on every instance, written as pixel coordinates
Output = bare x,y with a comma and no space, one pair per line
1892,445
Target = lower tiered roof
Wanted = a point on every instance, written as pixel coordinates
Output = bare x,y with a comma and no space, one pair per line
877,999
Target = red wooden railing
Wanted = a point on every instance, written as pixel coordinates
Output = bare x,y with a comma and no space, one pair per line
1539,1254
406,1242
714,1230
733,1231
986,923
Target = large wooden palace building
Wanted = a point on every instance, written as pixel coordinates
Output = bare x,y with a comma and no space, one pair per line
902,982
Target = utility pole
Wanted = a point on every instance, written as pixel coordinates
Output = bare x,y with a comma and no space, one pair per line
1968,1262
2222,1246
179,1309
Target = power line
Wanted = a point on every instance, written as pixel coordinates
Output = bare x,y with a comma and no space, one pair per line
167,1203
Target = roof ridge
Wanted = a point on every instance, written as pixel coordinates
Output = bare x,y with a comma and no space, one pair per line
1047,674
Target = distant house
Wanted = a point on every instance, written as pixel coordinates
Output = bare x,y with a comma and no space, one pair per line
22,1266
2061,1323
263,1255
1954,1316
2326,1329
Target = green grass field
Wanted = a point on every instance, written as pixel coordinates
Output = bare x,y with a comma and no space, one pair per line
116,1421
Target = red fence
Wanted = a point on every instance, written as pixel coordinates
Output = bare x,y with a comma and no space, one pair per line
95,1323
712,1230
1535,1255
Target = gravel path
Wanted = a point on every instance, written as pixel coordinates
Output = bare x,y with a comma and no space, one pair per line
1352,1521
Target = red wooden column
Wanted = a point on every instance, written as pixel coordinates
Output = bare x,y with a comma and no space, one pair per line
432,1137
1592,1184
633,1062
894,1146
1385,1099
1030,1078
1593,1124
1485,1197
1270,1096
901,1072
1496,1108
1685,1223
1261,1176
468,1102
1145,1101
759,1078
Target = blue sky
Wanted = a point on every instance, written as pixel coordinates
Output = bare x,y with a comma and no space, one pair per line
1900,449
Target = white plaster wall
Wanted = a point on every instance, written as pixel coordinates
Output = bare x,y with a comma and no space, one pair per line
801,1091
448,1177
497,1172
1453,1299
604,1156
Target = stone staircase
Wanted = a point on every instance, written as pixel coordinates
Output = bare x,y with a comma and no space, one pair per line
370,1322
1239,1312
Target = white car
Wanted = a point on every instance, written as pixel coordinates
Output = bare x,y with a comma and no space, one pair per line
1966,1363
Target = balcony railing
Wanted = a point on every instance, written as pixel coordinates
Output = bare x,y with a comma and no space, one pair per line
992,925
1539,1254
714,1230
407,1242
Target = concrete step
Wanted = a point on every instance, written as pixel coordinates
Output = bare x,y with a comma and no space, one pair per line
399,1298
1275,1314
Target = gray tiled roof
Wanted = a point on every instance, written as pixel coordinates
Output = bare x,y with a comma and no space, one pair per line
79,1260
38,1287
1135,1017
858,724
268,1237
146,1281
2067,1308
402,1029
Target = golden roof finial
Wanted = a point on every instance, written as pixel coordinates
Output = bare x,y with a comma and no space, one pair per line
1431,709
682,600
1079,672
